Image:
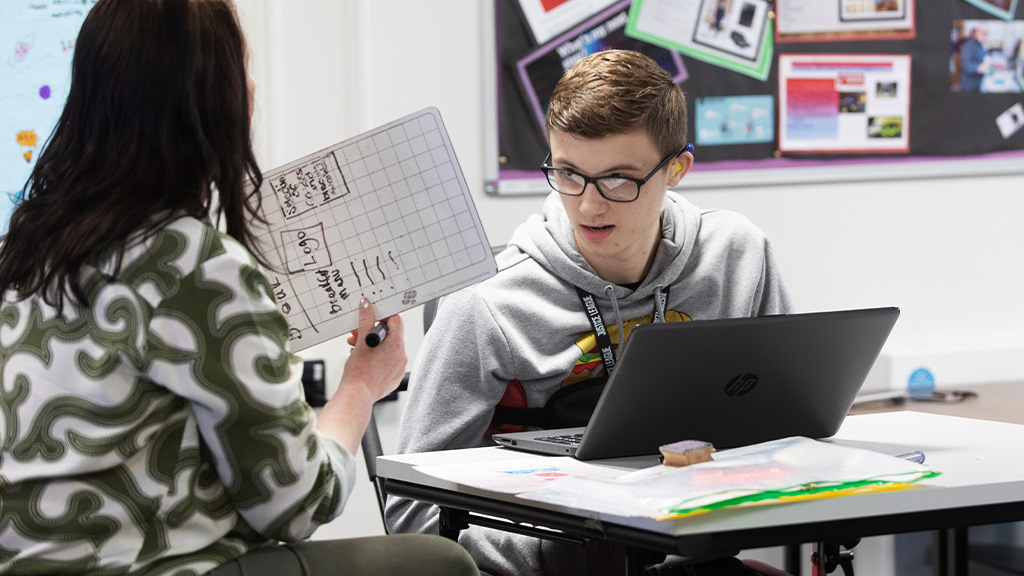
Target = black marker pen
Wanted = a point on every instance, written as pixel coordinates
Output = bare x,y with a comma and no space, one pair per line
376,336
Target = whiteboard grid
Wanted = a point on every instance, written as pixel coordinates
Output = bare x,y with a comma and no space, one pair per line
386,215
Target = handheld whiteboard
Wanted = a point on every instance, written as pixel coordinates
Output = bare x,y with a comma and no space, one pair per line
386,215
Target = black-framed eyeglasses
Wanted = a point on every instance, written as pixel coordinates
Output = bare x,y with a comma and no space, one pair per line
616,188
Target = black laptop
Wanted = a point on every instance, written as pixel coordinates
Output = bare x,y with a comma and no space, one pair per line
731,382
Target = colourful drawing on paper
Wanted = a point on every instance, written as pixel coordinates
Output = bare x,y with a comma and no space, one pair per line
37,40
545,473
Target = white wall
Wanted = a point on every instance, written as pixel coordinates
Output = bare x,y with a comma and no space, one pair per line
949,251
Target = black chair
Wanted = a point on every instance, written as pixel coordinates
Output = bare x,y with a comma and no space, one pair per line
371,444
371,447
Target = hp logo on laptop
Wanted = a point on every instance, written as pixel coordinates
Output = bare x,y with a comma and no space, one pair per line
741,384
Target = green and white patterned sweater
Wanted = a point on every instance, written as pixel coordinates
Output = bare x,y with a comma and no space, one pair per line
163,430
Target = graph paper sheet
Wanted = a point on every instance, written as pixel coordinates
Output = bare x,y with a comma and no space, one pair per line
386,215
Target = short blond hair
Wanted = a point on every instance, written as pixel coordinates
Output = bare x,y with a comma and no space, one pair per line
619,91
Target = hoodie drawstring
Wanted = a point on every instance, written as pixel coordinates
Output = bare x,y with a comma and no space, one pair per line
597,321
610,290
659,305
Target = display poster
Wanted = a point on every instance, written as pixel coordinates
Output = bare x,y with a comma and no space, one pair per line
549,18
732,34
843,20
852,103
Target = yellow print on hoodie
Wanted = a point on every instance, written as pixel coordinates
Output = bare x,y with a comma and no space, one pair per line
589,363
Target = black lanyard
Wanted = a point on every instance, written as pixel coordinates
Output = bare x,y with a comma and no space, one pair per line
604,341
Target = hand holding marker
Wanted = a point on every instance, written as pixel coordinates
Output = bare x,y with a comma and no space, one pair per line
376,336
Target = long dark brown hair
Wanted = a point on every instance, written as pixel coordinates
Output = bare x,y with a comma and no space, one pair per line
157,119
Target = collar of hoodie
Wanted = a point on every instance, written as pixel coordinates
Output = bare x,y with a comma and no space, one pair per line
657,316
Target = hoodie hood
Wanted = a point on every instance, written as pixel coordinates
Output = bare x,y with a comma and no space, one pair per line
548,239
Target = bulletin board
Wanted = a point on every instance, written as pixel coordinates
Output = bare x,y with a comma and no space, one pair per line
948,132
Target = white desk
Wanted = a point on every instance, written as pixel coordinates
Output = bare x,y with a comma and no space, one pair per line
982,482
1000,82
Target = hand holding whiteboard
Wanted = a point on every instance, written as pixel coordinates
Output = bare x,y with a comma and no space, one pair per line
386,214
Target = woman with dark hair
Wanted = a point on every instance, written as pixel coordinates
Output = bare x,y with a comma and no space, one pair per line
151,414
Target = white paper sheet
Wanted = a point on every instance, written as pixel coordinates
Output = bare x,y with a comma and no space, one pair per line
788,464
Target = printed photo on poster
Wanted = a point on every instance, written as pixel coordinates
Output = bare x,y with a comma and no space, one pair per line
843,20
732,26
541,69
859,10
734,120
1004,9
851,103
733,34
986,56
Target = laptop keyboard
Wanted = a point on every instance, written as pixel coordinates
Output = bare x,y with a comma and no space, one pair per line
567,439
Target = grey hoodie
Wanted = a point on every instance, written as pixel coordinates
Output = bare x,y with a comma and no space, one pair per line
525,331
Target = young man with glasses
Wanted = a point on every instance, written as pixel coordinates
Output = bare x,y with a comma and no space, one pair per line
612,249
